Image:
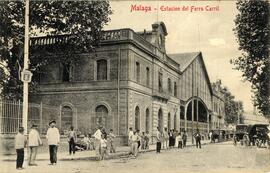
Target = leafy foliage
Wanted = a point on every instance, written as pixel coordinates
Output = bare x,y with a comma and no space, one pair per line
252,31
83,20
232,108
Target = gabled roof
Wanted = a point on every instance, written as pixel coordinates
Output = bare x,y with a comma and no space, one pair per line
184,59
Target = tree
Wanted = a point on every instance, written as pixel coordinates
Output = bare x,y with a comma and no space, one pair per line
82,20
232,108
252,31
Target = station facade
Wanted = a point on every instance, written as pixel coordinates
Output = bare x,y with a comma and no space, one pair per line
130,81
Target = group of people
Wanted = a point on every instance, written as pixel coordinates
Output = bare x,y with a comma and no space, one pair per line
164,139
104,143
34,141
173,138
138,140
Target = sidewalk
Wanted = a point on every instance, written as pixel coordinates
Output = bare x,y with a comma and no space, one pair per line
121,151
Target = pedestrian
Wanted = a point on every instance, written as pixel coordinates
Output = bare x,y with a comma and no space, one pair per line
166,139
130,134
86,141
111,145
210,136
103,147
184,138
97,136
20,144
72,138
175,133
147,140
143,136
134,143
53,138
158,136
171,142
139,141
34,142
198,139
179,140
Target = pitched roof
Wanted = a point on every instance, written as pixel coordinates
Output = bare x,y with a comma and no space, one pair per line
184,59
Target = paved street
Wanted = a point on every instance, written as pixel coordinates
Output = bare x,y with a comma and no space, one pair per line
222,157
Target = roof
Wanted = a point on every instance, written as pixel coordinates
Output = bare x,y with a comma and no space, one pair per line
184,59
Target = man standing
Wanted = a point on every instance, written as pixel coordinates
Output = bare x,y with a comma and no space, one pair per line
97,136
53,138
184,138
130,134
33,142
72,138
166,139
111,137
198,139
158,140
20,144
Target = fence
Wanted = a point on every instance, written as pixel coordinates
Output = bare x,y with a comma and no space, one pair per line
11,116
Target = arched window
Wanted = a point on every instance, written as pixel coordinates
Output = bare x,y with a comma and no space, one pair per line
147,120
147,76
66,118
169,121
101,116
169,85
102,69
137,118
160,119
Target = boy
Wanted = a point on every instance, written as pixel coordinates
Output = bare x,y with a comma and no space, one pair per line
111,137
20,144
179,140
103,147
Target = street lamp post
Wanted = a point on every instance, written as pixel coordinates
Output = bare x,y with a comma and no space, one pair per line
26,74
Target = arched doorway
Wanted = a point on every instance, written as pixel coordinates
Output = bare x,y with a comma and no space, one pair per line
202,111
137,118
66,118
102,116
160,119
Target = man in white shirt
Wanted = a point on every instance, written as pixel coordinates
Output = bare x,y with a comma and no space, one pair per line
97,136
130,134
33,142
53,138
158,140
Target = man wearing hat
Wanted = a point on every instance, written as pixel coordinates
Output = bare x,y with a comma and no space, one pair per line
53,138
33,142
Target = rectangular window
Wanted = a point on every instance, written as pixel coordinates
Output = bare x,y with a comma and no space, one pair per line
66,72
169,85
160,82
137,71
102,69
175,89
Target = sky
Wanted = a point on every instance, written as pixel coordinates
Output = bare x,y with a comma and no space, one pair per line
210,32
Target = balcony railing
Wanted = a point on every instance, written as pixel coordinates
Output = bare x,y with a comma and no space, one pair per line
108,36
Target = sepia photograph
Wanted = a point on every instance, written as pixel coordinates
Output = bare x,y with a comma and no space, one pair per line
154,86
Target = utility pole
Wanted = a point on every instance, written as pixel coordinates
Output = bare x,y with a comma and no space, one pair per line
26,75
238,113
